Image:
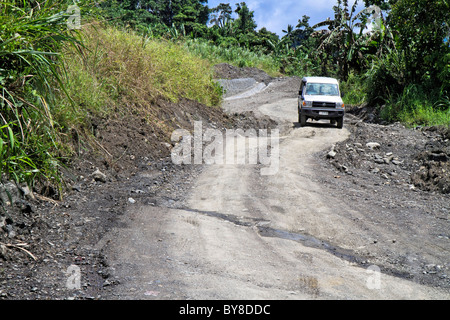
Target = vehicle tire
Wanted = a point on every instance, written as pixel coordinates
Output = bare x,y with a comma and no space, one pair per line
340,122
332,121
302,120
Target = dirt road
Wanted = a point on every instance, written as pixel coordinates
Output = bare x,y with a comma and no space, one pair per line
239,234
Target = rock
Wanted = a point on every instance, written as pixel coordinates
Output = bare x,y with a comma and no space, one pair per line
27,193
373,145
10,231
2,221
438,156
131,200
3,250
431,268
9,193
331,154
99,176
388,158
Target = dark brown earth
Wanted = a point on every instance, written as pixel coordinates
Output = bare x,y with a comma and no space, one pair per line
41,237
227,71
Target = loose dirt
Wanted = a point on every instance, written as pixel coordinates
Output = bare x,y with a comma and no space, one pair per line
368,220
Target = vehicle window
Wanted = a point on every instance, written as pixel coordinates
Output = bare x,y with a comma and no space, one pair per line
302,86
327,89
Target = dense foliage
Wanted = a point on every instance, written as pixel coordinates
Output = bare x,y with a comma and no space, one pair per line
31,37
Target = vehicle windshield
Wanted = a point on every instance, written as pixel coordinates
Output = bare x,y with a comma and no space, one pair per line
322,89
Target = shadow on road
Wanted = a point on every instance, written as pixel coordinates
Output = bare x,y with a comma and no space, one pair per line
314,124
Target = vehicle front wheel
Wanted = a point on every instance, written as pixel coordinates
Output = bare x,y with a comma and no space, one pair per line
302,120
340,122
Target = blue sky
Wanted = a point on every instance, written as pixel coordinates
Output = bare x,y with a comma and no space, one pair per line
276,15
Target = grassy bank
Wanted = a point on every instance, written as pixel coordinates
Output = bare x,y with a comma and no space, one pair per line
119,71
418,106
104,73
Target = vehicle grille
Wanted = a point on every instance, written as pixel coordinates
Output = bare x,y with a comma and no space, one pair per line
317,104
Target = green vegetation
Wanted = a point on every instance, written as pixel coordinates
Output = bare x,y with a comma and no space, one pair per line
120,68
415,106
378,54
239,56
31,37
393,56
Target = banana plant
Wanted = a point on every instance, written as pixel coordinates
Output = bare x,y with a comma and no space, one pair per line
345,39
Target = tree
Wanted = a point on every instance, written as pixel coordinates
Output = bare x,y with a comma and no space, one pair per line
245,22
141,13
345,42
263,41
222,15
421,28
299,35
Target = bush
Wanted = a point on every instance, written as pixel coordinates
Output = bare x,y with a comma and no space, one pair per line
418,106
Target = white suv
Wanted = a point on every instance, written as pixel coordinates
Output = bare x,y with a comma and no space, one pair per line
320,98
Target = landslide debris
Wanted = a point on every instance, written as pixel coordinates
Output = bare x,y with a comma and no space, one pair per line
393,154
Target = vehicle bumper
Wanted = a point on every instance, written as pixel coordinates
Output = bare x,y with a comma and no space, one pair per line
319,113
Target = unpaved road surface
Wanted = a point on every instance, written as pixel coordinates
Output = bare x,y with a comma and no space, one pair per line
301,233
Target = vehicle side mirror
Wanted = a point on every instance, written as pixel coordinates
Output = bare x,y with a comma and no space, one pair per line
342,94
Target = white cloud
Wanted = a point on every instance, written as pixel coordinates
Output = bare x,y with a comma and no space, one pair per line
276,15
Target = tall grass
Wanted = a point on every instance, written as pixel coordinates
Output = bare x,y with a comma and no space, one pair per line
353,90
238,56
385,84
418,106
120,71
31,35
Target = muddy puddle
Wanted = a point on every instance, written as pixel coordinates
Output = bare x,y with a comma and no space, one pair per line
264,230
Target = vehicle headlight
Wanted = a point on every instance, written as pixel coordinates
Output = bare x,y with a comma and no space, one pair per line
307,103
339,105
